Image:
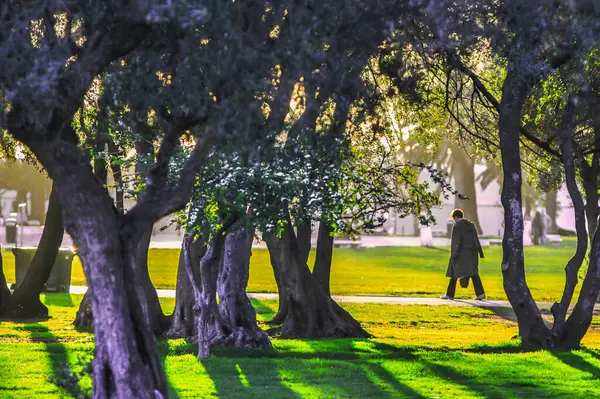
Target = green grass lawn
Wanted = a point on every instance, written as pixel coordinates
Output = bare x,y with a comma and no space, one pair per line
418,351
402,271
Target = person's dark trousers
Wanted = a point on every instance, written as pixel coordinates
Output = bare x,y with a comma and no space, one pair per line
451,291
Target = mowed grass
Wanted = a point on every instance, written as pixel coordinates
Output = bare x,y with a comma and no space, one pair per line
400,271
417,351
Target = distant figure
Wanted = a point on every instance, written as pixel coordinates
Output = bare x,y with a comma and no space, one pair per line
537,228
547,225
426,236
464,263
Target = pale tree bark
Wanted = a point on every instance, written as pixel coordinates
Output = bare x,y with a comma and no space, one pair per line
532,328
204,283
552,210
464,183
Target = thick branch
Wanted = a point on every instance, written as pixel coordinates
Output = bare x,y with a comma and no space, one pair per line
176,198
559,310
479,85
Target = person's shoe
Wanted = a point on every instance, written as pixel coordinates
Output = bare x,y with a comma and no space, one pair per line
447,297
464,282
480,297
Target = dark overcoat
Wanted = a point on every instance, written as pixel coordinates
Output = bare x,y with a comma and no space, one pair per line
465,251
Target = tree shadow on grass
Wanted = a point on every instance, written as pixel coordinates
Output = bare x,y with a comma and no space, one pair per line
239,373
389,379
360,353
577,362
62,375
241,377
502,384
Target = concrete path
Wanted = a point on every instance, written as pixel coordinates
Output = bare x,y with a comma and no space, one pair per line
30,236
390,300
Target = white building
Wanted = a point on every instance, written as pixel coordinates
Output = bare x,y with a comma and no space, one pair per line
489,210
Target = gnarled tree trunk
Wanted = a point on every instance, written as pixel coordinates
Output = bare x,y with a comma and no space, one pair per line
532,329
25,301
224,270
581,317
559,310
304,236
182,320
204,283
312,312
150,302
152,309
126,363
236,310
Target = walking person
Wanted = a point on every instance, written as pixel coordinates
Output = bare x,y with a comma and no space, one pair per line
464,261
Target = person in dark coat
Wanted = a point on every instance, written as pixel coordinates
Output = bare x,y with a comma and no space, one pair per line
464,261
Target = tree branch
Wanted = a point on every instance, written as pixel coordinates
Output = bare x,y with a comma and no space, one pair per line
459,65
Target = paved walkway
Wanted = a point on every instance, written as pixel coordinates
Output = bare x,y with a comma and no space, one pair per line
390,300
30,236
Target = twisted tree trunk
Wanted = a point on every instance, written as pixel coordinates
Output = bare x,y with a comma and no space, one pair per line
235,307
182,320
580,319
224,270
304,245
126,363
25,301
559,310
532,328
312,312
152,310
284,298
